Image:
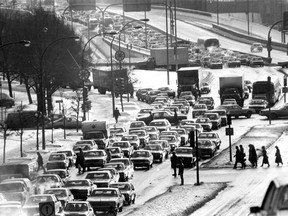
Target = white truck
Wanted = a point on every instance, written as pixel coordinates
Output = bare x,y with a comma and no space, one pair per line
231,86
96,130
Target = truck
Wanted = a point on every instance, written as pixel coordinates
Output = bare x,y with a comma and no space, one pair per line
25,167
102,80
231,86
189,79
97,131
158,58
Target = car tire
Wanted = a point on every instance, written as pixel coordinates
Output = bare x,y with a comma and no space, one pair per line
133,201
161,160
248,115
121,209
129,202
273,116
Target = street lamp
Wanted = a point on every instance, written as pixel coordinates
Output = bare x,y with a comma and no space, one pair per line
42,73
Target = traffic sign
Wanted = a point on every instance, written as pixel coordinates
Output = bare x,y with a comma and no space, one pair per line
47,209
84,74
229,131
119,55
59,101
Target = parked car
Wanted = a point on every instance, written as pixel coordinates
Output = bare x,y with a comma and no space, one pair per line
78,208
64,195
199,110
80,188
258,104
121,169
102,199
145,112
172,140
65,122
6,100
31,207
256,47
213,136
276,111
233,62
115,174
183,135
59,157
11,208
117,131
215,64
127,189
136,125
142,158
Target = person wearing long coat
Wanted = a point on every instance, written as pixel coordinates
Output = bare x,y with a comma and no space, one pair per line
243,155
80,161
252,155
265,157
278,158
181,171
174,161
238,157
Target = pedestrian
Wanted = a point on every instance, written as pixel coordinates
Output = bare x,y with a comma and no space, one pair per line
243,155
176,118
265,157
174,161
108,155
252,155
116,114
278,158
40,162
80,161
150,117
181,170
237,157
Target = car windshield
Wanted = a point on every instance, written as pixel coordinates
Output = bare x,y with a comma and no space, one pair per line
99,193
56,157
207,135
199,106
33,200
11,187
77,183
116,130
202,120
168,138
257,102
145,110
121,144
187,122
157,123
76,207
61,174
116,166
68,153
184,151
57,192
97,176
136,124
128,138
140,154
121,187
83,142
84,147
181,132
204,143
139,133
94,154
151,129
94,135
211,116
114,150
42,179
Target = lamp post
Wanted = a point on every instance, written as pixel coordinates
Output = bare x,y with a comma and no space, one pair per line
269,42
42,90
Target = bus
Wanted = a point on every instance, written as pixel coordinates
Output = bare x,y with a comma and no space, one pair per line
260,90
205,43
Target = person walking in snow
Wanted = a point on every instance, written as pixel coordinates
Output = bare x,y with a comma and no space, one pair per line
181,170
265,157
237,157
174,161
252,155
116,114
278,158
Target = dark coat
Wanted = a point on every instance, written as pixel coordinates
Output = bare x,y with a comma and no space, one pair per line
40,160
174,160
80,159
265,156
238,156
278,158
181,168
116,113
252,154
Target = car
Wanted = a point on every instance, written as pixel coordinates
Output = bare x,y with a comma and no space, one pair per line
56,165
171,93
143,136
172,140
115,152
280,111
233,62
161,124
189,98
183,135
183,109
103,199
62,173
11,208
213,136
209,103
171,132
85,148
64,195
163,114
95,158
117,131
133,139
206,148
185,102
145,112
205,123
126,147
142,158
120,168
140,93
80,188
199,110
186,122
157,151
151,95
136,125
150,130
128,165
215,120
236,110
6,100
215,63
244,59
127,189
59,157
115,174
78,208
205,88
46,181
158,105
186,154
27,182
256,61
65,122
256,47
101,178
15,191
275,199
165,100
70,154
31,207
222,113
258,104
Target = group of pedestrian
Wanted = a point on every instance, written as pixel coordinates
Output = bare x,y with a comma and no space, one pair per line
177,162
253,158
